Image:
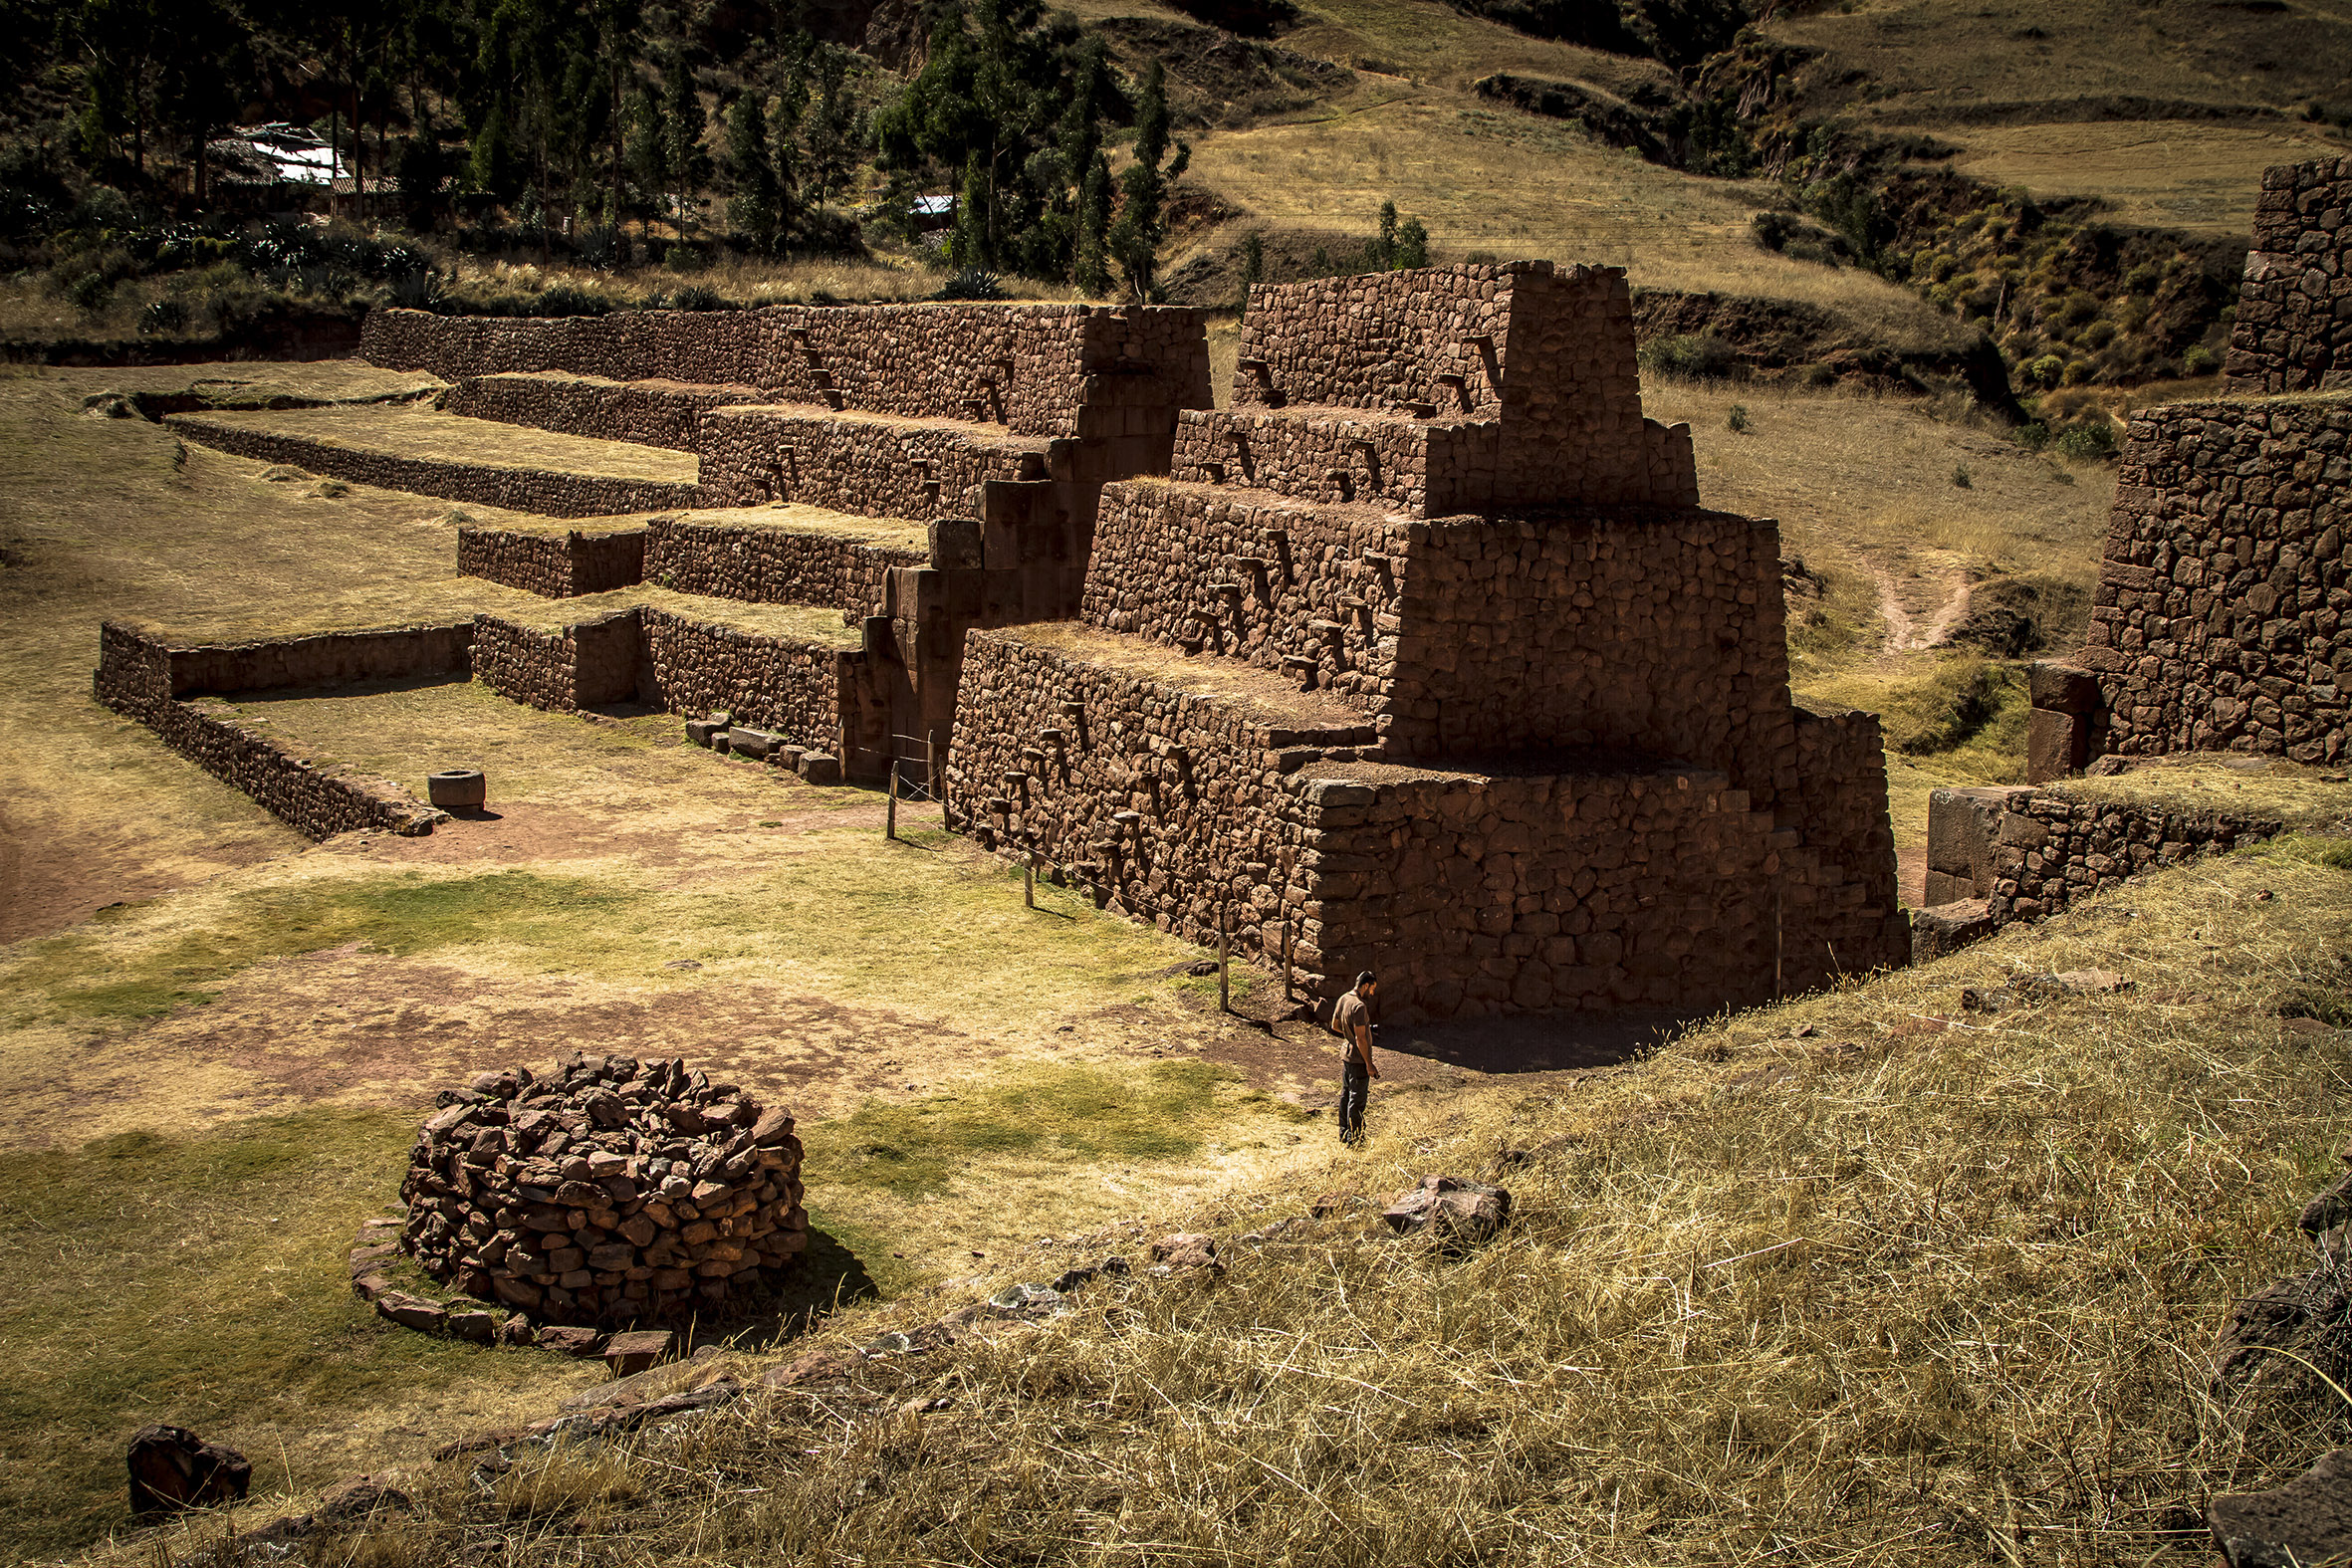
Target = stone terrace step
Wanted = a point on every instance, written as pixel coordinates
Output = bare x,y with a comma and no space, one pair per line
429,453
876,465
1427,467
647,413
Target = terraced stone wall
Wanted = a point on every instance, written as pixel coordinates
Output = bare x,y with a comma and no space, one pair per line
1423,467
649,413
2219,622
1546,355
646,655
773,565
1654,632
1027,368
2293,330
553,565
864,467
544,491
1471,893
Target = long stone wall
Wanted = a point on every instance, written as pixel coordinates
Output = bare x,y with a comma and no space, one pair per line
1594,883
1027,368
1426,467
2220,620
553,565
544,491
649,413
2293,330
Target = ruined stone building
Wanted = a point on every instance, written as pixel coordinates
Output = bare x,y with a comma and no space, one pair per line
1419,656
2220,616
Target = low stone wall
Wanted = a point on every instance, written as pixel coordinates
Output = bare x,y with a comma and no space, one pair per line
644,654
773,565
864,467
2293,330
144,677
649,413
2028,852
544,491
2218,621
553,565
1581,884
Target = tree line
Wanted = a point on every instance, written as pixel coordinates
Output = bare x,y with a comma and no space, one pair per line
540,115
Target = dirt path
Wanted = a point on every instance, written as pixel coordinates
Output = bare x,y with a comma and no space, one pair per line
1906,631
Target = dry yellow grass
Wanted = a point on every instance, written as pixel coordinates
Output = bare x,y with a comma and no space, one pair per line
423,433
1921,1288
2186,174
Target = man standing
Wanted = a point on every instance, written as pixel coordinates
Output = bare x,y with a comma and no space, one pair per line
1351,1020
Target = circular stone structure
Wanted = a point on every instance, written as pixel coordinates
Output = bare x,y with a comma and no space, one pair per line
457,786
610,1192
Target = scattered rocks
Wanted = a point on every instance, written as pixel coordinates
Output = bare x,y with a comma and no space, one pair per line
1184,1253
628,1354
613,1192
1458,1212
172,1468
1947,928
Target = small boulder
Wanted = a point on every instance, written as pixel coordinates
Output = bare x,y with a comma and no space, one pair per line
479,1326
1459,1212
172,1468
821,768
1184,1250
633,1353
567,1339
416,1312
2306,1520
1947,928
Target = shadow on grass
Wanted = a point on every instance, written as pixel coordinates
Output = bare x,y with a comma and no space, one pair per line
828,1276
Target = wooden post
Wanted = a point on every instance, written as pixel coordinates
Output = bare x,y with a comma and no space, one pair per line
931,765
1029,878
890,821
1224,959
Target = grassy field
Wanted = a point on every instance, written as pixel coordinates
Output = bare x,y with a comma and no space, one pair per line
1857,1280
419,432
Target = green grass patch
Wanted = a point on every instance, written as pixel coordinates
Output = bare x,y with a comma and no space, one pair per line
103,974
197,1282
914,1150
2320,850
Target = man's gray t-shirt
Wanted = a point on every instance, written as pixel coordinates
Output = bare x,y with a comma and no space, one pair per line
1345,1018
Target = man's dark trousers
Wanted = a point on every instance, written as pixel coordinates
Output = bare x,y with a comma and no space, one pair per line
1355,1087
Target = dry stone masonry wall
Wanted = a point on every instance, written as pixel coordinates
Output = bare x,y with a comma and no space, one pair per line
773,565
553,565
1572,775
863,466
648,413
618,1192
2220,620
521,488
2293,329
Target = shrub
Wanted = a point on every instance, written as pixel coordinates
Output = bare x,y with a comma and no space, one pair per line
1736,419
90,292
1959,476
971,283
1701,357
567,298
162,316
2045,371
699,297
2200,361
2092,440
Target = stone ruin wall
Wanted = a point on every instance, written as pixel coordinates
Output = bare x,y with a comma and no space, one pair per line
167,689
2219,623
670,661
2221,618
2293,330
553,565
1356,343
773,565
647,413
2028,852
862,467
1025,368
1470,893
519,489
